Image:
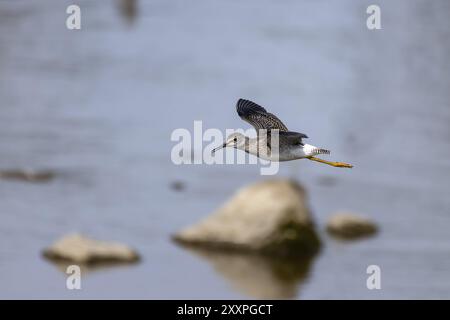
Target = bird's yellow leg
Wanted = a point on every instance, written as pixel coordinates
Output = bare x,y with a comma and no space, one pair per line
331,163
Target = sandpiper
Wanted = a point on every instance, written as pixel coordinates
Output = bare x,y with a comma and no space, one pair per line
290,144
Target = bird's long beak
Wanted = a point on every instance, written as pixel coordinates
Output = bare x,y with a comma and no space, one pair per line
218,148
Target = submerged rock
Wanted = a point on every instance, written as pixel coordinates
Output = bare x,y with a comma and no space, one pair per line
349,225
177,186
270,217
83,250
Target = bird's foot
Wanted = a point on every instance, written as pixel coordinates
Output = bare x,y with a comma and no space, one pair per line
331,163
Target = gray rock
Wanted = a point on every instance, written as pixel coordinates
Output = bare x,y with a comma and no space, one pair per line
269,217
83,250
349,225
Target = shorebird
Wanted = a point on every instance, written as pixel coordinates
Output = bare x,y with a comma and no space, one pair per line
290,144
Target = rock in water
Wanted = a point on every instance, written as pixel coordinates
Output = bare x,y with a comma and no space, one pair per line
27,175
80,249
349,225
269,217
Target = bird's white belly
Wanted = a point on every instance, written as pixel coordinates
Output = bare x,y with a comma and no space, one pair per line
288,154
284,155
292,154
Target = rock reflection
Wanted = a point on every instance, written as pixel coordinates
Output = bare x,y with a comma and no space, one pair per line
258,276
85,268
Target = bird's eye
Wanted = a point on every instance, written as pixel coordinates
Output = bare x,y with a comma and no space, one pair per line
235,139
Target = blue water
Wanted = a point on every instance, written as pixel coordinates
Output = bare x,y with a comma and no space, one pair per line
97,106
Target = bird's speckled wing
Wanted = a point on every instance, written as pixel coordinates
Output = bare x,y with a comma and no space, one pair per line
286,140
291,138
257,116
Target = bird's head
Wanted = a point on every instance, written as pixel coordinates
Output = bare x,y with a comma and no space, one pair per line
234,140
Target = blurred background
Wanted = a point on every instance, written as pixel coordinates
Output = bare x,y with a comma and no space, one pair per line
92,110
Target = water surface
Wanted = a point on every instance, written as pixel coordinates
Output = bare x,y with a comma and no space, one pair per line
97,107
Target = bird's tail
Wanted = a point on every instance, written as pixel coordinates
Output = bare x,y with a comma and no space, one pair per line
321,151
311,150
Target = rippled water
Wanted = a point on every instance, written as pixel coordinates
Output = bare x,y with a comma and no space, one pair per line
97,107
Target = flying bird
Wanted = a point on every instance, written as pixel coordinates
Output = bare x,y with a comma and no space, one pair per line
290,144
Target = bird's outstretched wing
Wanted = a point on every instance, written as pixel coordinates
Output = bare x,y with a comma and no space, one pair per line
286,139
292,138
257,116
